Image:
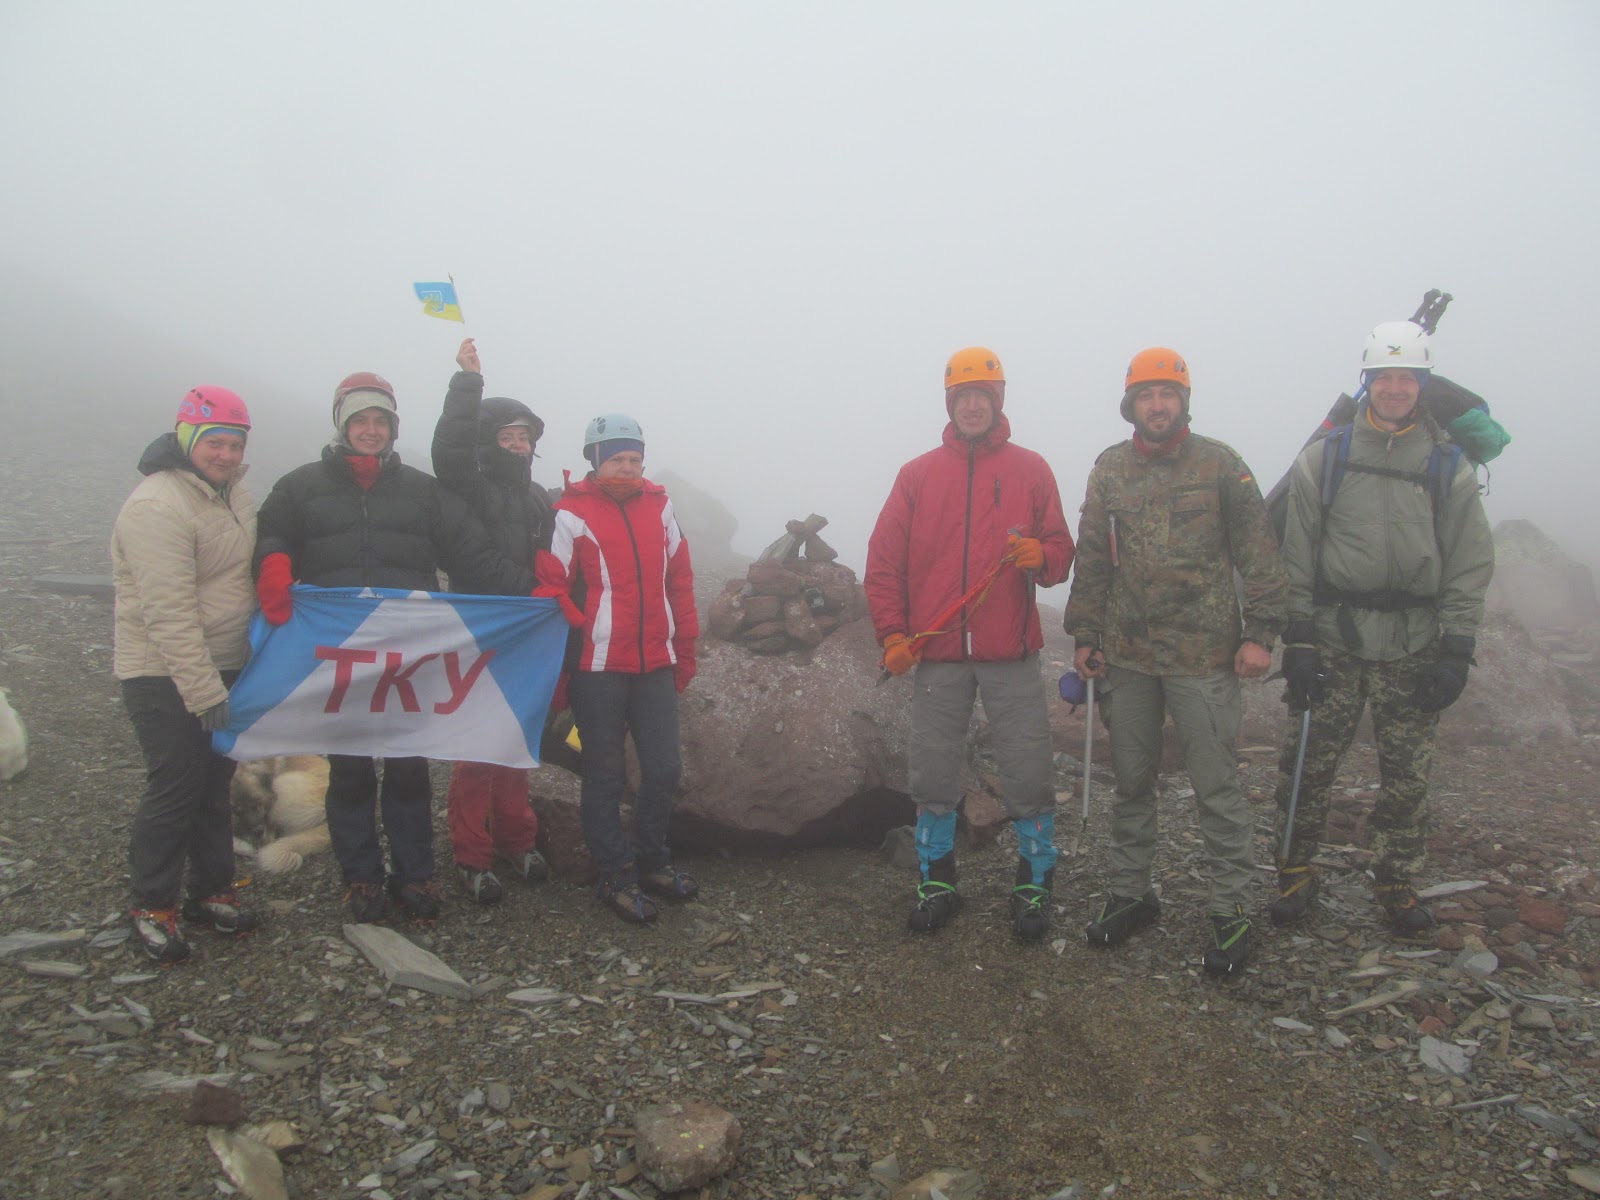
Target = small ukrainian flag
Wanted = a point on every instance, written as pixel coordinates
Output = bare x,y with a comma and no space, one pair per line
439,300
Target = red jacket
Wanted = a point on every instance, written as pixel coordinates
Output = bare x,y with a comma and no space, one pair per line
945,526
629,562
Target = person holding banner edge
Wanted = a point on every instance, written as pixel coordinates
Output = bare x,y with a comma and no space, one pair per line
358,517
483,450
180,559
619,565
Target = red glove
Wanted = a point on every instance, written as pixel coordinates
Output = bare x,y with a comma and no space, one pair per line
899,656
569,610
683,670
272,588
1027,553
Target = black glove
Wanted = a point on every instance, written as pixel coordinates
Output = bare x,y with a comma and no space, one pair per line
1440,682
1302,665
214,718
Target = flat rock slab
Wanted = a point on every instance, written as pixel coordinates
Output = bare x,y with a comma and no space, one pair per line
405,963
24,939
76,585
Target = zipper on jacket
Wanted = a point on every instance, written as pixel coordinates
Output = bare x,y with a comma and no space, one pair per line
966,544
638,573
369,556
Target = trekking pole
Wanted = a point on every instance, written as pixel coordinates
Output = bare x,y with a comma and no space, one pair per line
1294,790
1088,754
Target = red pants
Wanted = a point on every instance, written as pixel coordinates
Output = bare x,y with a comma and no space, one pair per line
489,812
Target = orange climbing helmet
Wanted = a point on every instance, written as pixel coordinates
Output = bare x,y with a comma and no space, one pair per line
975,364
1155,365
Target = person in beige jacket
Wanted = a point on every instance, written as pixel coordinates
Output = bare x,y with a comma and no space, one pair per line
180,560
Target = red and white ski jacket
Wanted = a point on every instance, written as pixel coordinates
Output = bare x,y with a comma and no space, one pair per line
628,563
945,526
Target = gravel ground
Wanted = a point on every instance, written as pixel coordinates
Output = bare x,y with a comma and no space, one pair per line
837,1039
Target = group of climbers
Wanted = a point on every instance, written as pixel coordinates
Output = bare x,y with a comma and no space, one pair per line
189,540
1181,590
1377,590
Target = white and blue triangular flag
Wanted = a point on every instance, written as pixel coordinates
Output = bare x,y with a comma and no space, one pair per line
389,673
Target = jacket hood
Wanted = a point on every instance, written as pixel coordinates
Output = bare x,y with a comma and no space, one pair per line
999,434
165,454
496,412
587,486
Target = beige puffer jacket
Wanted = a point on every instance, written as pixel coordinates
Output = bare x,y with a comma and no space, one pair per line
180,560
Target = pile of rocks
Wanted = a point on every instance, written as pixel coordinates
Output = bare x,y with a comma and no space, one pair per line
785,601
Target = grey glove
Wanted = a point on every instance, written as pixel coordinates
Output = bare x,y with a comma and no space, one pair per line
215,717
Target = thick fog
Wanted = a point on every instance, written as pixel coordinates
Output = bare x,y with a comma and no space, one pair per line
761,229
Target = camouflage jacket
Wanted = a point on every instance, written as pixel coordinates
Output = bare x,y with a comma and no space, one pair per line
1158,544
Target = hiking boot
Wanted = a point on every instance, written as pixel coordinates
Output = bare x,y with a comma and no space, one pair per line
365,904
1030,902
1230,944
156,931
1120,917
669,883
419,899
530,866
1297,888
937,900
622,895
481,884
222,912
1409,916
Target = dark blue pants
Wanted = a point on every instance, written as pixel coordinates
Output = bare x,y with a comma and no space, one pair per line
608,706
406,802
185,815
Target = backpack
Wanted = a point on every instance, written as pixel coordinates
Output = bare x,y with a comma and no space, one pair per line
1463,414
1436,478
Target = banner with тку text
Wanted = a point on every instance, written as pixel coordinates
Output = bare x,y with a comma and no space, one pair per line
388,673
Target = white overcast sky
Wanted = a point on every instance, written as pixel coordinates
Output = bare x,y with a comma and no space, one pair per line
760,229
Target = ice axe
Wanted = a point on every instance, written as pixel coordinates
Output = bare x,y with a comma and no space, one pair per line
1071,685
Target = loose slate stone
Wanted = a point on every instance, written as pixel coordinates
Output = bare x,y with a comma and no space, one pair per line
253,1168
1401,992
1445,1057
1453,888
406,964
53,969
76,585
24,939
537,996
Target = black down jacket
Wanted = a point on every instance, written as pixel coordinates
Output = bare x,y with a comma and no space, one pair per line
496,484
397,535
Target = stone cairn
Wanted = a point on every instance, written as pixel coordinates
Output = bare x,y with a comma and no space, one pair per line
788,602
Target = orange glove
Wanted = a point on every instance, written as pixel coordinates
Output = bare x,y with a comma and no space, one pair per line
899,656
1028,553
272,588
569,610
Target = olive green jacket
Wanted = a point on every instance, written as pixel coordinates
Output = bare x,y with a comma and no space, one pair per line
1380,536
1182,523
